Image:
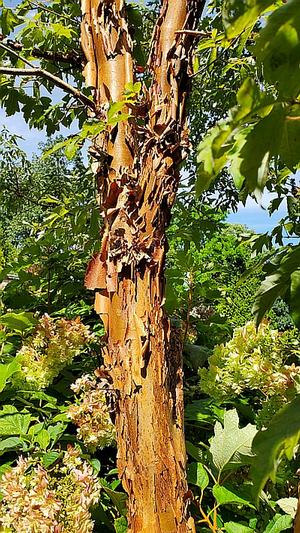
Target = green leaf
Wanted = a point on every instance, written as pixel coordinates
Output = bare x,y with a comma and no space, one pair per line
279,523
197,475
193,451
234,527
204,411
14,424
43,439
10,444
56,431
230,444
278,49
288,505
119,499
120,525
241,14
260,144
270,289
268,444
213,155
61,30
290,143
283,278
4,468
8,20
96,465
196,355
50,457
224,496
114,108
6,371
19,322
72,148
295,297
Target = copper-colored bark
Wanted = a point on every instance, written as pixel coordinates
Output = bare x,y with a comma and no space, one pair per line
138,180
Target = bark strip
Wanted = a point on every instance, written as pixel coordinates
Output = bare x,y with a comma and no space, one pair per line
137,170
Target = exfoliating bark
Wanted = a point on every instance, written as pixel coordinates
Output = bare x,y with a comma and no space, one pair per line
136,163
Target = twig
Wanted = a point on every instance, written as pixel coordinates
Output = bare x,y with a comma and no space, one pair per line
36,71
16,54
41,6
194,33
47,75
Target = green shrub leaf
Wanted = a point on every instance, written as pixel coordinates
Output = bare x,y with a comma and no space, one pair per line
279,523
230,444
234,527
224,496
268,444
197,475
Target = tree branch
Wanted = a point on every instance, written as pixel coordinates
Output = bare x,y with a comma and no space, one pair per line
10,71
72,58
36,71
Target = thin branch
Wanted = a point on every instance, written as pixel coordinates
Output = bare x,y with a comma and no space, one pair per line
47,75
194,33
41,6
15,54
72,58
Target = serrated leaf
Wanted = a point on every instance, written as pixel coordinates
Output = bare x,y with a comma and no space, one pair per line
279,523
14,424
241,14
11,443
197,475
230,444
56,431
259,145
19,322
8,20
224,496
268,444
278,49
283,269
234,527
61,30
50,457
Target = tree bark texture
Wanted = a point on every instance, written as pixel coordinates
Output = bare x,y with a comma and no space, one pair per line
136,163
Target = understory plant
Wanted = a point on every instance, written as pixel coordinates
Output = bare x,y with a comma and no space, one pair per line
256,360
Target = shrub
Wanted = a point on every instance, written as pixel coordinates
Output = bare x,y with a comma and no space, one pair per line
254,359
91,413
49,501
53,346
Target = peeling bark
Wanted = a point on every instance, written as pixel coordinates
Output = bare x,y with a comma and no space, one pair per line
137,171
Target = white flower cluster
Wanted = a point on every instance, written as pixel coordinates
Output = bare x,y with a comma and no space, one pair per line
90,413
36,500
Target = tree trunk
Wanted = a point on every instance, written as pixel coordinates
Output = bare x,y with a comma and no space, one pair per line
137,169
